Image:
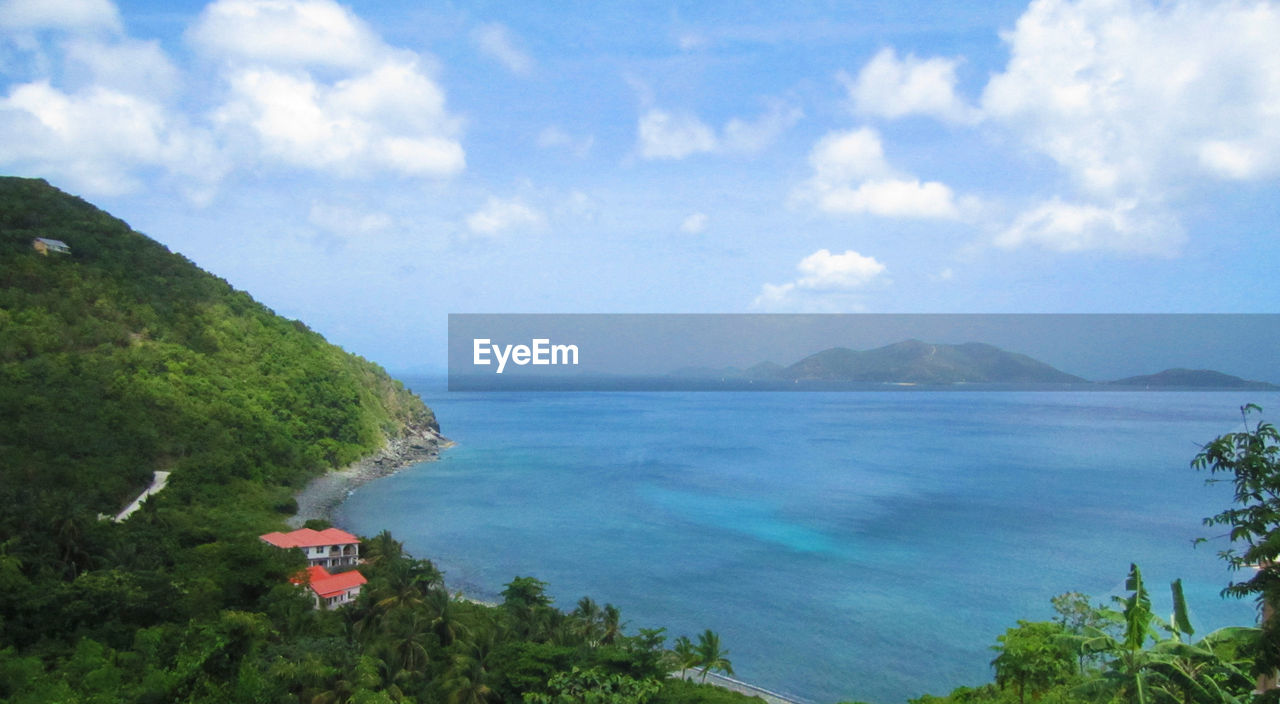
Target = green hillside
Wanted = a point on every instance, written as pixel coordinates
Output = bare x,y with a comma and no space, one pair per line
120,357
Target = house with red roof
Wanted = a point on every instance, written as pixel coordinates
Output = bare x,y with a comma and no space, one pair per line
331,590
330,547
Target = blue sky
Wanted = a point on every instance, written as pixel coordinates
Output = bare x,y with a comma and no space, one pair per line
371,167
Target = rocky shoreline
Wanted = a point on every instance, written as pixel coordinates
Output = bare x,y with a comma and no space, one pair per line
323,494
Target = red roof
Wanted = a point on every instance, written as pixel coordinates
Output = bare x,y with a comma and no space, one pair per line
327,585
308,538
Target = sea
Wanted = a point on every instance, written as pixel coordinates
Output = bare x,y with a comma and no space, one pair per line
863,546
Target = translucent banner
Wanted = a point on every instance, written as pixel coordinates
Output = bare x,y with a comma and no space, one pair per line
680,352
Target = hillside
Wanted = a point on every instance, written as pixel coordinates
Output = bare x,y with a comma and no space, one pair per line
912,361
119,358
1193,379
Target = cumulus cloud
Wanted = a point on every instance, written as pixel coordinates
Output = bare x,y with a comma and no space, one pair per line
893,198
303,84
888,86
76,15
389,119
99,139
694,224
495,41
1072,227
667,135
311,86
1127,96
852,176
123,64
1135,102
286,33
824,283
499,215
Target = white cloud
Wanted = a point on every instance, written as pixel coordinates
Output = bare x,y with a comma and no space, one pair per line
124,64
287,34
891,87
76,15
1130,99
664,135
99,139
495,41
825,283
851,176
499,215
893,198
694,224
755,135
309,85
1072,227
840,157
824,271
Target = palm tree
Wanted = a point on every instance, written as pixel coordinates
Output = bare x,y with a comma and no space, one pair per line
444,623
382,549
710,656
467,682
586,620
686,654
406,641
611,625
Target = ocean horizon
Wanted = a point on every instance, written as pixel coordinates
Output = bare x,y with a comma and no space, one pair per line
867,546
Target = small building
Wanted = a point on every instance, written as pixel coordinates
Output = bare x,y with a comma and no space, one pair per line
44,246
330,547
331,590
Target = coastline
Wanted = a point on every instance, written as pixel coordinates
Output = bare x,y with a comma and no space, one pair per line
323,494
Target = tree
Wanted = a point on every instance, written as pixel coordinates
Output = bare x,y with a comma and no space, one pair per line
527,592
611,625
1171,669
1252,458
710,656
1033,656
594,686
685,653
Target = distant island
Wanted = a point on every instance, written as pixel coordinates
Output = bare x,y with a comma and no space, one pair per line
913,362
1194,379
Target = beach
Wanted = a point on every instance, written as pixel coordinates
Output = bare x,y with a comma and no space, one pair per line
323,494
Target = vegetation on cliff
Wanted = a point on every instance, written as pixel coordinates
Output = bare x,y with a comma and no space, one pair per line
119,358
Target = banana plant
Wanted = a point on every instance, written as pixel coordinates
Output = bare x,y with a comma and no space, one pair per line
1171,668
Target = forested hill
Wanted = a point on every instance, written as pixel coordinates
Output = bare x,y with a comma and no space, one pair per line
119,357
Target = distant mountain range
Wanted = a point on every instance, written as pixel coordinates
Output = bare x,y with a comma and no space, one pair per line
924,363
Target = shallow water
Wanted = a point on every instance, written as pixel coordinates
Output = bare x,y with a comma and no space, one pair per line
862,546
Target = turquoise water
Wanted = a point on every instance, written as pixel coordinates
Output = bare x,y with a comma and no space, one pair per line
845,546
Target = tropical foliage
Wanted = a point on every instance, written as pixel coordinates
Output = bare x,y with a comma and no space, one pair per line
1127,654
120,358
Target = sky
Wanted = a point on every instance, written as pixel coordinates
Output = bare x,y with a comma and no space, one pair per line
370,168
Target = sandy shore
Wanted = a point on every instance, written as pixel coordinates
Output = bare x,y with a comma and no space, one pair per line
323,494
